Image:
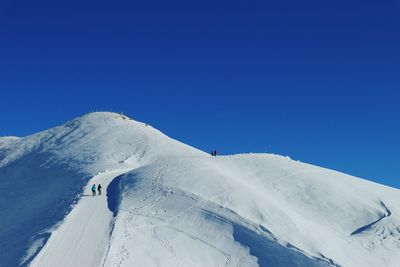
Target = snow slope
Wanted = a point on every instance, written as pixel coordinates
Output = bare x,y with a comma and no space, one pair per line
168,204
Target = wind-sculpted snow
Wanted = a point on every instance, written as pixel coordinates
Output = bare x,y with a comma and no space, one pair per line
385,214
167,204
114,195
271,253
162,200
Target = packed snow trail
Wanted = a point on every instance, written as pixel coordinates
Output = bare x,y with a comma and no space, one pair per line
87,227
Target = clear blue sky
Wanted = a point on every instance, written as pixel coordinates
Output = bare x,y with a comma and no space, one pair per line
315,80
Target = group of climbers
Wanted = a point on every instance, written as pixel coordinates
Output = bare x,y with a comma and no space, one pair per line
94,189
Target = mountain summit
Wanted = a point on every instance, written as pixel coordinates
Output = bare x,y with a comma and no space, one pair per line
165,203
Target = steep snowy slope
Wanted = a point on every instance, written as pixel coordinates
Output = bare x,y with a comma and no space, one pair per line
42,176
168,204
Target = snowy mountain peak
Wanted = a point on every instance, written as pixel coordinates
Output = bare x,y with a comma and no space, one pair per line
165,203
100,119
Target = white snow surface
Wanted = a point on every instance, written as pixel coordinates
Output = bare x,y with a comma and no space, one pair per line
167,204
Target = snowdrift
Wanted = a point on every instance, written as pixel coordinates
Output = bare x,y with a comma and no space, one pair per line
167,204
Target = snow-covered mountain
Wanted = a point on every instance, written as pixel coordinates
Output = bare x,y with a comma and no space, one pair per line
167,204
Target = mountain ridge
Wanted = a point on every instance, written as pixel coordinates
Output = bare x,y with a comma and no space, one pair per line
174,205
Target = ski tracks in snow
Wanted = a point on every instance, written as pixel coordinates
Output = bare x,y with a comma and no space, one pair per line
227,256
139,218
164,242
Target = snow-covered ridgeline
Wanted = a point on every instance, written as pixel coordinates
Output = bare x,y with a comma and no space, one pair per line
168,204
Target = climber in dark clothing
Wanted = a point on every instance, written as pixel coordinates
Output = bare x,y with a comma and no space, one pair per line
99,189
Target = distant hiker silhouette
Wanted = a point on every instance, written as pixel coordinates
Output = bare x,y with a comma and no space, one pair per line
213,153
94,189
99,189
